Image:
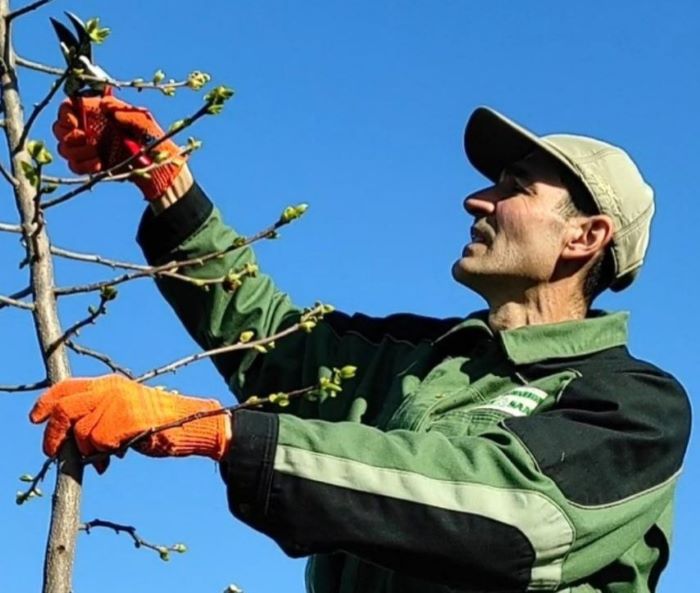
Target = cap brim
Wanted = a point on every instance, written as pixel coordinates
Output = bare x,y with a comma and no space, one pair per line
493,142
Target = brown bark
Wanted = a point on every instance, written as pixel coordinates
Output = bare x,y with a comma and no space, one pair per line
60,548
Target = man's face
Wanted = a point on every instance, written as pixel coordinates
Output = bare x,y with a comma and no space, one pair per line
518,232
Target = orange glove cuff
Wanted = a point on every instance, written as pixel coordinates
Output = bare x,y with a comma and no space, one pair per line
207,436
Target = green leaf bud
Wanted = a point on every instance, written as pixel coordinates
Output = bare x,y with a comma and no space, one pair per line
177,125
158,77
163,553
97,34
231,282
26,478
39,153
30,172
179,548
218,95
108,293
291,213
196,80
160,156
246,336
251,270
348,372
193,143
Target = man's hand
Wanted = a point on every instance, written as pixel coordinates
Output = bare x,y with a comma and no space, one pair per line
93,141
105,413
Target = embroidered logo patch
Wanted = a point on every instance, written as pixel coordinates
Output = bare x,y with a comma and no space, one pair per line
520,401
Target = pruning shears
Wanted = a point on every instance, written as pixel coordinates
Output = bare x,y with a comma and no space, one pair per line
77,51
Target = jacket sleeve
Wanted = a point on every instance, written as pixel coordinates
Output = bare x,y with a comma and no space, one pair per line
479,512
191,228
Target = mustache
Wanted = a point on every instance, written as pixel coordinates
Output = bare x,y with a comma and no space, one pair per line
483,228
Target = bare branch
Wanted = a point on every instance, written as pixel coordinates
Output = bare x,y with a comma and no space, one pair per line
9,177
117,176
39,107
38,67
139,542
24,10
9,301
20,294
96,259
94,313
115,170
33,489
170,269
10,228
261,344
25,387
139,84
77,348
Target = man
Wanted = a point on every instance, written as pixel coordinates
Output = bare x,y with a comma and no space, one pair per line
520,449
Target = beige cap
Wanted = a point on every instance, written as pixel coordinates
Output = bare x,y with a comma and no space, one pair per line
613,181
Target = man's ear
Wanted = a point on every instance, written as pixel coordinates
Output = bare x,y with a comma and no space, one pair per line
588,235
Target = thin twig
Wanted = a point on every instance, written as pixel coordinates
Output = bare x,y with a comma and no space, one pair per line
36,66
116,177
137,83
306,322
25,387
96,259
39,107
113,171
9,177
94,313
10,228
33,489
139,542
20,294
24,10
169,269
186,360
77,348
10,302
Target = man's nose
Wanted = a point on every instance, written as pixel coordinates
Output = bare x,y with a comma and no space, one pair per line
481,203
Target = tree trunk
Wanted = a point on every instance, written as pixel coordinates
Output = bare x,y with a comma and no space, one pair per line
60,547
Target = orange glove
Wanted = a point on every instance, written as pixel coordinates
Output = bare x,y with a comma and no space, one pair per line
106,412
94,141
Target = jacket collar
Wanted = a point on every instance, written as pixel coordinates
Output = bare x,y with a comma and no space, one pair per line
535,343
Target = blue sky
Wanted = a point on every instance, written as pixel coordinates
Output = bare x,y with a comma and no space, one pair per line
358,109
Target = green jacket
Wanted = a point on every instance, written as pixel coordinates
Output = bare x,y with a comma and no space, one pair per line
538,459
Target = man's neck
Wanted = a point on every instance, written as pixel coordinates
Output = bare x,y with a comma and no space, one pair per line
537,305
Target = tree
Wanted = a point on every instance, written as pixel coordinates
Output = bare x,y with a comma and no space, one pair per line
35,193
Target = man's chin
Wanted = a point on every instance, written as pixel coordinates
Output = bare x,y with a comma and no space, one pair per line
463,272
469,273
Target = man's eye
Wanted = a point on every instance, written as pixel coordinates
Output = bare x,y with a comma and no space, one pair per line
520,188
